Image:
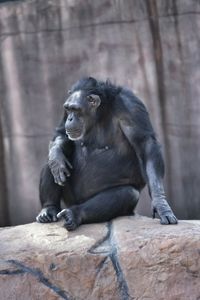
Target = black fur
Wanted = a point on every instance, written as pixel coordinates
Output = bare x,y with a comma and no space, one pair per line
100,166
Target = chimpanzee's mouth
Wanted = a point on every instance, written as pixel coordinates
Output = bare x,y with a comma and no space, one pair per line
74,134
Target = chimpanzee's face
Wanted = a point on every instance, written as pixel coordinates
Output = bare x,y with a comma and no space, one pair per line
81,113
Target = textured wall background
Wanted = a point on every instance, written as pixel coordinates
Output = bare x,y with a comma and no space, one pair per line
150,46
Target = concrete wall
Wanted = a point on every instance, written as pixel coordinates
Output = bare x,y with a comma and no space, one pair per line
150,46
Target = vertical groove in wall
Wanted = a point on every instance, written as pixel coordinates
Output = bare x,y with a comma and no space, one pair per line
4,215
159,65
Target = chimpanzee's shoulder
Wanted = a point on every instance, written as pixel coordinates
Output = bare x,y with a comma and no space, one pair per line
126,100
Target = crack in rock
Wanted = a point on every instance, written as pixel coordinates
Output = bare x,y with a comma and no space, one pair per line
12,272
121,280
102,246
107,245
38,274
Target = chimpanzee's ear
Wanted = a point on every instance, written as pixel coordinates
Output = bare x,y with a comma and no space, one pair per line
94,100
92,80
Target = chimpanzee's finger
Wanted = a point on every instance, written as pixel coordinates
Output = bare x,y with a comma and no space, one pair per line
62,175
68,163
66,171
61,214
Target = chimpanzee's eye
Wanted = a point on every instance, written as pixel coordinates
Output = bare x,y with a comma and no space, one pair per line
90,99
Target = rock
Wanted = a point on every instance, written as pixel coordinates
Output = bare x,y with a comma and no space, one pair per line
128,258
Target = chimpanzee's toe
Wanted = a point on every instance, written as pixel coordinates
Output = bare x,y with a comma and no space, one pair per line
70,221
47,215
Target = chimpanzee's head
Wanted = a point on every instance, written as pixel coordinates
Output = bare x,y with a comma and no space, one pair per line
81,107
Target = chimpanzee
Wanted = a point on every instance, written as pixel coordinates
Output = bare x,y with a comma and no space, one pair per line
103,153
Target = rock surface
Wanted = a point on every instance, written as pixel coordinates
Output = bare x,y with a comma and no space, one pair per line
128,258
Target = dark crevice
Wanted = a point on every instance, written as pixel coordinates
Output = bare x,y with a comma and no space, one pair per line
41,278
122,284
121,280
108,246
12,272
102,244
101,264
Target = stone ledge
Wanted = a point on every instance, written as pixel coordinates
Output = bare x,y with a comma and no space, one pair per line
128,258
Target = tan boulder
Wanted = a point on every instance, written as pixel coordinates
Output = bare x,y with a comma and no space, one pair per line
128,258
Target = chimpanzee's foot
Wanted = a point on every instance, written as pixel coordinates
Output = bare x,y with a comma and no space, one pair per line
71,222
48,214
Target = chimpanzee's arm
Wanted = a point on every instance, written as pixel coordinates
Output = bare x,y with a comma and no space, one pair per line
60,149
154,167
137,128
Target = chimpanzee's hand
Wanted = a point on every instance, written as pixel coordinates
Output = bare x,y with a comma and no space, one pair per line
162,208
59,165
47,215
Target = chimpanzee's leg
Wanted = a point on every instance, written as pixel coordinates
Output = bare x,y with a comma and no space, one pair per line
118,201
50,197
